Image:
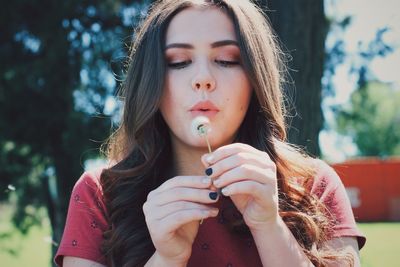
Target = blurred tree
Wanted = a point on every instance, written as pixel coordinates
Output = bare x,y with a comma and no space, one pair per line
372,119
55,80
302,28
367,53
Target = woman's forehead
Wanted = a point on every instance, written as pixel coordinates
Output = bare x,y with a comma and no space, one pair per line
196,24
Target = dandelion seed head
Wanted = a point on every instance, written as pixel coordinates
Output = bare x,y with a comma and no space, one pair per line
201,126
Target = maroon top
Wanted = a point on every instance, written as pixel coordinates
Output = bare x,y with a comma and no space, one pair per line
214,244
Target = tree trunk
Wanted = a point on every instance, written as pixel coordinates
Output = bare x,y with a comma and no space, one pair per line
302,27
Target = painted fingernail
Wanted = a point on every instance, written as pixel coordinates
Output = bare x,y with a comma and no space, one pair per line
209,171
216,182
209,158
206,180
224,191
213,195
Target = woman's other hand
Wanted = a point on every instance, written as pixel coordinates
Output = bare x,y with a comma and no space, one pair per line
249,177
173,212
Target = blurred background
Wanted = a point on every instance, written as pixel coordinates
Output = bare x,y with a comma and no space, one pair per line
61,63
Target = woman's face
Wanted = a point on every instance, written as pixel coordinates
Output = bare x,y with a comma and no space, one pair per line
204,77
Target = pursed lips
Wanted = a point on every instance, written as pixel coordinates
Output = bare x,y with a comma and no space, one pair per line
204,108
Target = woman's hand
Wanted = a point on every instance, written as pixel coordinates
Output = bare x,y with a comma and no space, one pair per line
172,213
249,177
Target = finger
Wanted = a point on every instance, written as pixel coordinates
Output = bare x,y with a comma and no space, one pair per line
183,181
175,220
161,212
228,150
218,168
255,189
246,172
186,194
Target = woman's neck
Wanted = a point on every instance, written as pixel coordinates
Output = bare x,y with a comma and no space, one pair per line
187,159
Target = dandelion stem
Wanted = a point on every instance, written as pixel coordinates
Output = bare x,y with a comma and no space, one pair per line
209,151
208,144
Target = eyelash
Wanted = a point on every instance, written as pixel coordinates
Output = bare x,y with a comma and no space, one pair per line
183,64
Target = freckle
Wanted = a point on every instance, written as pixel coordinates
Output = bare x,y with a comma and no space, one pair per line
228,99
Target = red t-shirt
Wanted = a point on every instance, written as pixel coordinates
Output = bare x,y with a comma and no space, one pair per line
214,244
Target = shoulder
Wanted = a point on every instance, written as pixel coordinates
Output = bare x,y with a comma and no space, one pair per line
325,179
86,220
88,192
329,189
89,181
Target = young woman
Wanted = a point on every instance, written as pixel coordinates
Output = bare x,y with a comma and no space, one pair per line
166,201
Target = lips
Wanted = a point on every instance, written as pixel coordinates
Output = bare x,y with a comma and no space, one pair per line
205,108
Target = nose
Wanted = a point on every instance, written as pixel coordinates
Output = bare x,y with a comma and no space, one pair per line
203,79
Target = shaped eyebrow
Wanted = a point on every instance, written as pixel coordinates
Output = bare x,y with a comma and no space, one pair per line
213,45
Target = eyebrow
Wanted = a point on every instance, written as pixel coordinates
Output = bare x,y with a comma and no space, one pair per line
213,45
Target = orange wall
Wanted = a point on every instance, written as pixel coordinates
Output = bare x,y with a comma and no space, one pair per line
373,186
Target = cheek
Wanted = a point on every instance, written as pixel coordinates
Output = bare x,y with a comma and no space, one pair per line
171,104
173,89
166,104
167,100
243,92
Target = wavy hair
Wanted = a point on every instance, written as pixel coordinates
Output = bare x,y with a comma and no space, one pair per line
141,145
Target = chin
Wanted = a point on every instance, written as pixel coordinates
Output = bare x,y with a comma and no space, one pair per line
199,142
217,141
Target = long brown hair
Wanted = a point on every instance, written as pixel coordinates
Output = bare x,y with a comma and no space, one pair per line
141,145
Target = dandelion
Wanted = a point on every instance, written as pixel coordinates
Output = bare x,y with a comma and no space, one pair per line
201,127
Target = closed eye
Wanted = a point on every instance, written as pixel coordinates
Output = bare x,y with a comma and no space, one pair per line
183,64
179,65
227,64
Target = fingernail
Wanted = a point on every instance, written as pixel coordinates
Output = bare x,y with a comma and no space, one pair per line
209,171
224,191
206,180
216,182
213,195
209,158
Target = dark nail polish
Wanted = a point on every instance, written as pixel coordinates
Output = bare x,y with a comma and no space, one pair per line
209,171
213,195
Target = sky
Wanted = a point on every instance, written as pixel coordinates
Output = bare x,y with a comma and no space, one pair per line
367,17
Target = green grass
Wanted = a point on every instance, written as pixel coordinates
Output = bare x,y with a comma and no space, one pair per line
382,247
17,250
383,244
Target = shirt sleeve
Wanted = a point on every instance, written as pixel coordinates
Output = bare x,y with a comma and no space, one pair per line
86,222
330,190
